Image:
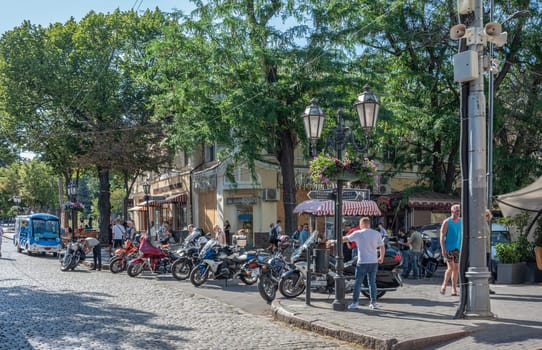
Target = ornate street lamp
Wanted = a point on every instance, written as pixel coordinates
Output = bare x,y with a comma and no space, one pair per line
147,190
72,193
17,201
367,106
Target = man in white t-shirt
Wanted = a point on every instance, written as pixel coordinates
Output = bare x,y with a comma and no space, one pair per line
368,243
94,244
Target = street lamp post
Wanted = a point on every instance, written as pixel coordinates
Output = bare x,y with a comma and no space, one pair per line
367,106
147,190
72,193
17,201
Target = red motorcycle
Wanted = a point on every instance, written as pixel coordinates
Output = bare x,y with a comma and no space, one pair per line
119,260
150,257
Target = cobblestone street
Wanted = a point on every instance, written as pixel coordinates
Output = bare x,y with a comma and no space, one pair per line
44,308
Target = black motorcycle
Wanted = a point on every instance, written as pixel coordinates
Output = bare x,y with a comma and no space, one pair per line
430,260
73,256
188,254
269,271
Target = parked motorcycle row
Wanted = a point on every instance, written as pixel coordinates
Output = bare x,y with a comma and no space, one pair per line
199,260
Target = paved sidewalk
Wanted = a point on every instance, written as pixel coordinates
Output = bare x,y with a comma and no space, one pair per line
418,317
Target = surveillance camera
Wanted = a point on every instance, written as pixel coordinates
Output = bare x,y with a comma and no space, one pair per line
458,31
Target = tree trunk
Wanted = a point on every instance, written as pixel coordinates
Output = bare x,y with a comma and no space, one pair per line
286,160
104,204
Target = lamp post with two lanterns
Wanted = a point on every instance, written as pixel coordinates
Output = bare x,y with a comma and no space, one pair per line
72,193
367,106
147,190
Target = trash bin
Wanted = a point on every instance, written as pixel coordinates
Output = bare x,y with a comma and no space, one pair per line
321,260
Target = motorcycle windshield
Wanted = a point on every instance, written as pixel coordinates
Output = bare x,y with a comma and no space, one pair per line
207,247
191,239
308,243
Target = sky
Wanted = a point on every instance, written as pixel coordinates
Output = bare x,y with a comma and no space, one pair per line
44,12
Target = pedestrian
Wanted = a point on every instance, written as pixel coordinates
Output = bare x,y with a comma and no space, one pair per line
1,235
130,231
278,228
489,216
404,250
94,245
347,250
272,237
383,232
304,234
295,236
415,242
227,229
450,243
369,243
164,234
118,234
220,236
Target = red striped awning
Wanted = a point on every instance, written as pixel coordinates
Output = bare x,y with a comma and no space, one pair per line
177,198
327,208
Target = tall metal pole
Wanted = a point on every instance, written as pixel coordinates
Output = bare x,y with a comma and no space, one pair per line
478,303
339,304
491,91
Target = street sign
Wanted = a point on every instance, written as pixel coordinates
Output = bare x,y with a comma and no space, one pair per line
348,194
321,194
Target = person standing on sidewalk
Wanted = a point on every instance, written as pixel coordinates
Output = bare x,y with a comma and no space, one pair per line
369,244
415,242
118,234
450,244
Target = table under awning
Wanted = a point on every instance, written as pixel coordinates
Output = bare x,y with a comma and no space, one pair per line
327,208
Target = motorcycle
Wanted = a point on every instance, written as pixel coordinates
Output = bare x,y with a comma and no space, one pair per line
430,259
270,271
155,259
74,254
119,261
221,262
292,283
188,254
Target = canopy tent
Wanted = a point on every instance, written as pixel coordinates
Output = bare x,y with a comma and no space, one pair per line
327,208
527,199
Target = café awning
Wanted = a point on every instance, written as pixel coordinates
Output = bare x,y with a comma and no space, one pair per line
327,208
137,208
152,203
177,198
432,201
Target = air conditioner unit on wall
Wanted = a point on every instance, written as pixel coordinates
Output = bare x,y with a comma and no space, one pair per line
384,189
270,194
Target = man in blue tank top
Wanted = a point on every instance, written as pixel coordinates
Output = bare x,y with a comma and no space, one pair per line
450,243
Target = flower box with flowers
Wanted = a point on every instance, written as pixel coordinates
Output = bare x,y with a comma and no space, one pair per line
77,206
324,168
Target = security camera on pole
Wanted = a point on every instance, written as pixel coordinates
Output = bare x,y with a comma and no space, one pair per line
469,68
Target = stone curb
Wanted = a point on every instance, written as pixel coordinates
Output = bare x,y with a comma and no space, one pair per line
371,342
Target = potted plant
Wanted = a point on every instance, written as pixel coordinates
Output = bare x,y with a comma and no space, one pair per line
510,270
353,167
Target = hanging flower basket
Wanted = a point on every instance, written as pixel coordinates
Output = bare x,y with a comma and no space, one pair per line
325,168
77,206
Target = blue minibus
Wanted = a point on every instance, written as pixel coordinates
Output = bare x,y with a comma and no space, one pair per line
37,234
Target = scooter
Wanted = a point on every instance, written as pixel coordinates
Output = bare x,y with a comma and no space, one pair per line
430,259
119,260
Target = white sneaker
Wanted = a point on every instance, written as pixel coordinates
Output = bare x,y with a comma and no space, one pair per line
373,306
353,306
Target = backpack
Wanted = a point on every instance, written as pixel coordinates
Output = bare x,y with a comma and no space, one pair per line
296,235
273,233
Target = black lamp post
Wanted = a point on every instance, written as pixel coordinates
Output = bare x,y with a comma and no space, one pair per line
367,106
17,201
147,190
72,193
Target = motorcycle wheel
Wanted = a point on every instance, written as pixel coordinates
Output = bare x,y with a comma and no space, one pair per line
288,287
248,280
135,269
117,265
181,269
66,262
267,288
199,275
